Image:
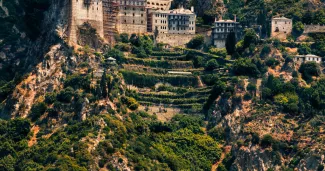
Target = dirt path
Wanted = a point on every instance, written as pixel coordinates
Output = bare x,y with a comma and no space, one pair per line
215,166
200,84
33,140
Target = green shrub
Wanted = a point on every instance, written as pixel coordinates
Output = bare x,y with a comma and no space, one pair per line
65,95
123,47
267,141
130,102
247,96
272,62
309,69
50,98
124,37
211,65
196,43
217,133
37,110
265,51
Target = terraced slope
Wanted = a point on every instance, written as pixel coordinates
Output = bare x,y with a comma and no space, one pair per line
161,92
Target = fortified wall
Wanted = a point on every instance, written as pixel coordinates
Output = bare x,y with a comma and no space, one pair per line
82,11
174,39
314,29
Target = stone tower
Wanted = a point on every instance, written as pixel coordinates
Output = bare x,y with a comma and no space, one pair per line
85,11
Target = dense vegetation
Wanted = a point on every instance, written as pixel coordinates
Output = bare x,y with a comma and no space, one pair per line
148,144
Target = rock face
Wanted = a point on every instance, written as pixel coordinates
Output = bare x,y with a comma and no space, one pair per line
256,159
42,62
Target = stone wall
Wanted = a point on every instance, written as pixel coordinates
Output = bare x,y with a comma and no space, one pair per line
281,27
314,29
159,4
174,39
81,13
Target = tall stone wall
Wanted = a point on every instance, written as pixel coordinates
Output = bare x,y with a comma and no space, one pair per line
174,39
81,13
314,29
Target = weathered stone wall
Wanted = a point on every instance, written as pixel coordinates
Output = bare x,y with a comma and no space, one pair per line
174,39
81,13
159,4
281,27
314,29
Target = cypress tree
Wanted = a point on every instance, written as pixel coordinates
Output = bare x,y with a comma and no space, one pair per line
231,43
103,84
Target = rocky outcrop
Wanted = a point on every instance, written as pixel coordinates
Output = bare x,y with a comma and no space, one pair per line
255,159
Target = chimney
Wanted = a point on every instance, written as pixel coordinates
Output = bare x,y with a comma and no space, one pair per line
192,9
235,18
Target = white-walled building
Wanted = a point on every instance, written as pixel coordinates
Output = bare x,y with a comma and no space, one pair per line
177,21
308,58
281,27
222,28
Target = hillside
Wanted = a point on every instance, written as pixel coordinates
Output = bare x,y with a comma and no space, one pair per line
139,104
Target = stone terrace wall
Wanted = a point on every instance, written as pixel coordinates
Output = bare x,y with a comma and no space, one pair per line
314,29
174,39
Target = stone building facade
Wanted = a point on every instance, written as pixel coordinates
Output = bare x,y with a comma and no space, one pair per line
85,11
222,28
132,17
109,17
281,27
177,21
163,5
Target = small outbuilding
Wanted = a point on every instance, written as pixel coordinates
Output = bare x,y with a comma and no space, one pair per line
111,60
308,58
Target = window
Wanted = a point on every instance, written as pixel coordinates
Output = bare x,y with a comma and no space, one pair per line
141,22
141,15
133,14
125,13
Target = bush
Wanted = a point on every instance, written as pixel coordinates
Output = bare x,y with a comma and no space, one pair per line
247,96
309,69
124,37
272,62
65,95
196,43
130,102
198,61
244,66
217,134
265,51
211,65
77,81
222,52
267,141
115,53
221,167
37,110
50,98
123,47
